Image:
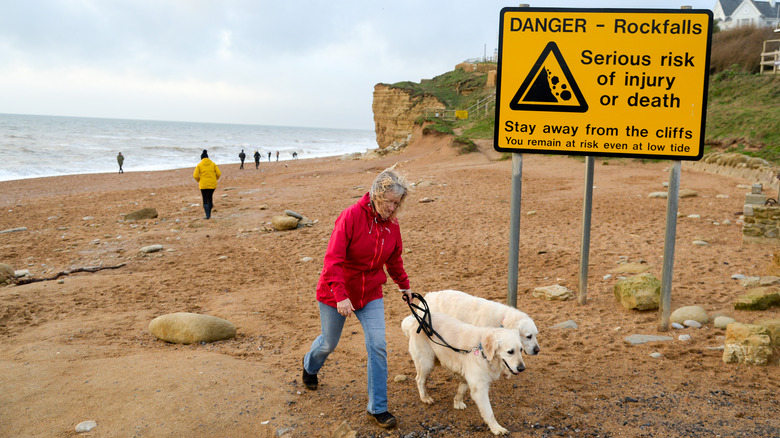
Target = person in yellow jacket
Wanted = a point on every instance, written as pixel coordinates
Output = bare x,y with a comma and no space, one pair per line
206,174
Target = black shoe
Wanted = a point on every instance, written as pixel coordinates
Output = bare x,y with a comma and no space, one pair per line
385,419
309,380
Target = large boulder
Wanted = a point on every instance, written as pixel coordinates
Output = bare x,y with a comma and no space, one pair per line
7,274
747,343
773,325
760,298
284,222
639,292
142,214
686,313
555,292
189,328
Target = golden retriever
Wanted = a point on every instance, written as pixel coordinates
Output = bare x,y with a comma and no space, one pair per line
489,352
485,313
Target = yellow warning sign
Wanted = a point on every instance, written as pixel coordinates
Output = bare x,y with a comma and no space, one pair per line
605,82
549,86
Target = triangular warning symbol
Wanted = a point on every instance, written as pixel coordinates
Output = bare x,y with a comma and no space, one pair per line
549,86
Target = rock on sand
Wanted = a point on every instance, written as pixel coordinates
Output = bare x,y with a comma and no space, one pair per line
189,328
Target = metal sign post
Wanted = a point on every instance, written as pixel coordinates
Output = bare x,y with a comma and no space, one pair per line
672,201
514,223
514,228
587,203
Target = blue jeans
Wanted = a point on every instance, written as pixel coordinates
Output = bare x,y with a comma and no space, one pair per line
372,318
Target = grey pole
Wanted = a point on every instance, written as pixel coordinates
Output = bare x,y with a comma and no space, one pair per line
672,201
514,228
587,203
514,223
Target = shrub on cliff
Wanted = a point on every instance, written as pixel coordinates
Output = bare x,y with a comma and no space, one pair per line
739,49
451,88
464,145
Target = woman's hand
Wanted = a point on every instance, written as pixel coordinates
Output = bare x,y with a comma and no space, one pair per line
345,308
408,293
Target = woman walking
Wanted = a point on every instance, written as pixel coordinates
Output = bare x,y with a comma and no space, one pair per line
206,174
365,240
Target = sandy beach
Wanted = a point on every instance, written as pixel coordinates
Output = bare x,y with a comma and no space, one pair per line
80,349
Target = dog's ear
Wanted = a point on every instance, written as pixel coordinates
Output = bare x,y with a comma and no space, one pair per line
490,344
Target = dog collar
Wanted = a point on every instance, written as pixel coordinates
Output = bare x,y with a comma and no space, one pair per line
477,350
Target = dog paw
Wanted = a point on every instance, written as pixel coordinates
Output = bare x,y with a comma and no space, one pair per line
498,430
459,405
427,399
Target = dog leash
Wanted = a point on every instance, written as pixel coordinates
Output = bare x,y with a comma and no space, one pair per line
424,324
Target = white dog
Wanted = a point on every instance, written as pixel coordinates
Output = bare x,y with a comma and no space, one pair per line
485,313
489,352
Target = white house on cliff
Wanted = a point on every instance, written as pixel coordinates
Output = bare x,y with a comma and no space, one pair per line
738,13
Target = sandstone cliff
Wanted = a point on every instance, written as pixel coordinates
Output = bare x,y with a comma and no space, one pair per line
395,111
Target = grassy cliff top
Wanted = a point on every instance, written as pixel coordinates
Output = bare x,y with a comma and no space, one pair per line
743,114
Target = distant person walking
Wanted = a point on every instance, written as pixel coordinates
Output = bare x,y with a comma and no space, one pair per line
120,159
277,155
257,159
269,156
295,155
242,156
206,174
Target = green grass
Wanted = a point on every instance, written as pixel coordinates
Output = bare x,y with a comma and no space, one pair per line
454,89
743,114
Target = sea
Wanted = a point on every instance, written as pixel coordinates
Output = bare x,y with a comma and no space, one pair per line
33,146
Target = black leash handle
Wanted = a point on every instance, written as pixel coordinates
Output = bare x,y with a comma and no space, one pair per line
424,321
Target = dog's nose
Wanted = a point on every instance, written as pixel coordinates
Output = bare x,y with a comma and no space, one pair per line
520,368
536,350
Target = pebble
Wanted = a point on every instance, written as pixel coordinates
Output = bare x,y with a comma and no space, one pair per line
694,216
691,323
641,339
700,243
151,248
566,325
607,277
685,338
737,277
722,321
677,325
306,259
293,214
656,355
85,426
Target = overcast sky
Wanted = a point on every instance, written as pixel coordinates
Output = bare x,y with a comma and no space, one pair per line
288,63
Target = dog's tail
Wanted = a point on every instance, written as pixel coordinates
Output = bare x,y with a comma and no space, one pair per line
409,325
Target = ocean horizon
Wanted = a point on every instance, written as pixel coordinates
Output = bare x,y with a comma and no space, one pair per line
35,146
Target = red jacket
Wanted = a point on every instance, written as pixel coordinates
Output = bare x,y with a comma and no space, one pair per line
359,248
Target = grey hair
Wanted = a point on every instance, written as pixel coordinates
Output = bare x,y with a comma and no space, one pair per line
388,181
